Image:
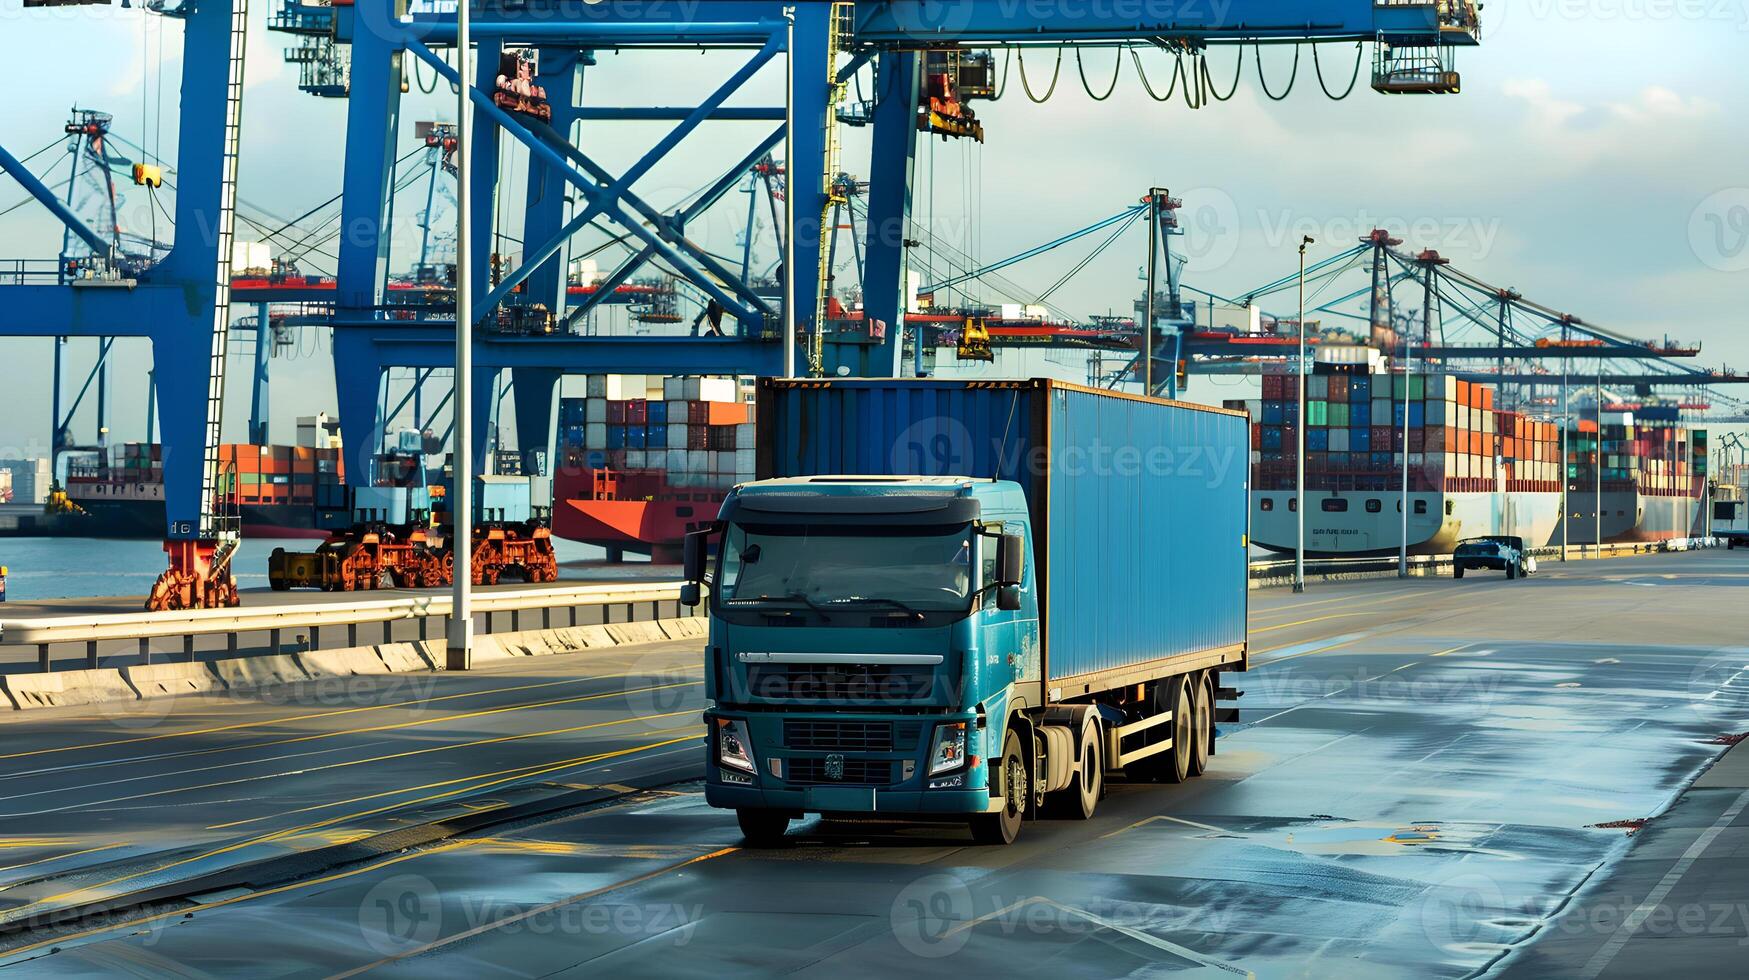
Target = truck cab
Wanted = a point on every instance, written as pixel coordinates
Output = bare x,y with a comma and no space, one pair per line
869,639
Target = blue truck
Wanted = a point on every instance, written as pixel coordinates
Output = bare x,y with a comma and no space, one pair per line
969,601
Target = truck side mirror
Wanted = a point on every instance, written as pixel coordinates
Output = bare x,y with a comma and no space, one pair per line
1010,559
689,594
693,554
1008,598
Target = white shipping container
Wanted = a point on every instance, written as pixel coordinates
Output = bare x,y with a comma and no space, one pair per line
1339,440
595,385
677,435
673,389
637,459
746,462
1011,311
702,390
746,436
722,462
595,410
698,460
686,479
676,408
595,435
674,460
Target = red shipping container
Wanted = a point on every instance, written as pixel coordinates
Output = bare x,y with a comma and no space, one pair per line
616,413
1257,437
637,412
1338,388
1273,387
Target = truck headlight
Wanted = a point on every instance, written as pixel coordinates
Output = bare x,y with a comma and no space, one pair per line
949,751
734,748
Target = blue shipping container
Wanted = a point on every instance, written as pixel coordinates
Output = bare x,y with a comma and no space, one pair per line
1139,506
656,413
1317,439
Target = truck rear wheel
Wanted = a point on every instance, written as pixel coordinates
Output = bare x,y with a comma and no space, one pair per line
1003,826
1457,571
762,828
1202,712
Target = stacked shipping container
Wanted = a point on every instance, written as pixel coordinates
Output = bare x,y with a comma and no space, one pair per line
699,435
1646,452
1456,440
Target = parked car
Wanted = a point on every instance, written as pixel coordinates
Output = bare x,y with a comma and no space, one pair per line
1498,552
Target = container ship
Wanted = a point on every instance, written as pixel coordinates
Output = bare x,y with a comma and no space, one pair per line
1474,469
1653,477
644,460
279,491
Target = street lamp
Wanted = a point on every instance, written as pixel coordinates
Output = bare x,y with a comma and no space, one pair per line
459,648
1300,433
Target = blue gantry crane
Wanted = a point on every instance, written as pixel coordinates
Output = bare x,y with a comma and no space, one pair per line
365,50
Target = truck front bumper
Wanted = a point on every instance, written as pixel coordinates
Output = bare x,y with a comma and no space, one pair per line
904,795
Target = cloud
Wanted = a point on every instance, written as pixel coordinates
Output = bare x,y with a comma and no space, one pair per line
1657,104
1546,110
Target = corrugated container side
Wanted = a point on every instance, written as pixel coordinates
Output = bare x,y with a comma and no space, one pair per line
1171,528
1151,496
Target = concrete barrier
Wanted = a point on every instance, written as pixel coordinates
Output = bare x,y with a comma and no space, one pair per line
75,687
647,632
351,662
253,672
66,687
407,658
162,680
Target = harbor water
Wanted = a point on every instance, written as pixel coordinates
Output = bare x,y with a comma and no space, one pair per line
67,568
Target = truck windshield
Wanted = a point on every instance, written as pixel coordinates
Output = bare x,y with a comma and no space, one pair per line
911,569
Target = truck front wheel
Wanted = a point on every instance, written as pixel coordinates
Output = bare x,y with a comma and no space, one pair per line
1003,826
762,828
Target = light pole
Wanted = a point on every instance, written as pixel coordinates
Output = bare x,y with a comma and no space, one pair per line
1300,433
1148,304
1597,471
1566,474
461,504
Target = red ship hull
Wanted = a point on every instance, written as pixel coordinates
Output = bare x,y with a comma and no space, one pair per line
653,523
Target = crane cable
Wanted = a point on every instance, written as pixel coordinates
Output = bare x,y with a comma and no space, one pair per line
1263,83
1056,74
1177,73
1208,88
1359,56
1116,71
1088,259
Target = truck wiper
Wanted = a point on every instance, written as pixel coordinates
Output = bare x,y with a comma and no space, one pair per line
801,597
877,600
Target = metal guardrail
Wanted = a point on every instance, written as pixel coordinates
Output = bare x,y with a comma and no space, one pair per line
518,609
1283,568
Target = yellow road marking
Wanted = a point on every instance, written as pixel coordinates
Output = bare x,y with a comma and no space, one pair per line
205,906
411,789
331,821
1392,596
531,913
317,736
1303,622
57,857
259,723
174,790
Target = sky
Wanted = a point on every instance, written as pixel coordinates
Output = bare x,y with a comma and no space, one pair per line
1591,162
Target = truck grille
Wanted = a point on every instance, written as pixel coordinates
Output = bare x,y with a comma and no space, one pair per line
847,736
838,682
856,772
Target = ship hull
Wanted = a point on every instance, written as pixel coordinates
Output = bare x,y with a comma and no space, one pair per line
1437,521
1631,516
646,527
134,518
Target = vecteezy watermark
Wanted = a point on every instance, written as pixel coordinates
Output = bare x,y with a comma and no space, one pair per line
405,913
944,446
1474,910
1474,235
1475,691
1718,230
937,915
